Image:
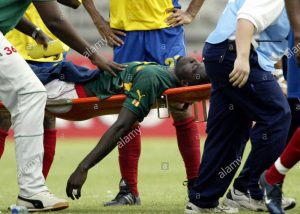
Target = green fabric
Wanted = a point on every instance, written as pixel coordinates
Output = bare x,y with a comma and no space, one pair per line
142,82
11,12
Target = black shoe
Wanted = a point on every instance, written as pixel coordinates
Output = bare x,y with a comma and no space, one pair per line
124,197
189,183
272,195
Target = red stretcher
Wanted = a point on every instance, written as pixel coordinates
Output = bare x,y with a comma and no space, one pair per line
90,107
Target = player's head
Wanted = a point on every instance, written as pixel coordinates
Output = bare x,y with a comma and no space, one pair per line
190,72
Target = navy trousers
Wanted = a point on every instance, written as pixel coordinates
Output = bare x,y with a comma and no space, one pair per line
230,124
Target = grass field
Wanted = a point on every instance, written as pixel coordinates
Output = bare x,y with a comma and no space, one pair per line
161,175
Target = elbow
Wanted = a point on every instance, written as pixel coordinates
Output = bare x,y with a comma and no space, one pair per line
55,23
75,4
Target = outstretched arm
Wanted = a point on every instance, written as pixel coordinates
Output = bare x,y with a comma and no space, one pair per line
106,144
58,25
293,9
180,17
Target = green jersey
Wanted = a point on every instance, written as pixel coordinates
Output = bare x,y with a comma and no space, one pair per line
142,82
11,12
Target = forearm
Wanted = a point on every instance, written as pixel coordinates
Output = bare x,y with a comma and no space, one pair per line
293,10
93,12
65,32
194,7
244,34
26,27
59,26
110,139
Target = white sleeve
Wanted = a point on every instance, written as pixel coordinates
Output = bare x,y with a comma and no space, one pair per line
262,13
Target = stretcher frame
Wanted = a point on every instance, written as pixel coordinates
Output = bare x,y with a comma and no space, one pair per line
90,107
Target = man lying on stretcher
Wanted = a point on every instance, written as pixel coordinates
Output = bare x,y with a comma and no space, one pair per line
142,82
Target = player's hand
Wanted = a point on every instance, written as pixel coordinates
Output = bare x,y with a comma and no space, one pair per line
76,182
297,43
178,17
240,74
106,65
42,39
111,35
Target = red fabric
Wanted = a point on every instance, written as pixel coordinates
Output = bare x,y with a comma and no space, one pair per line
291,154
80,91
188,140
3,135
273,176
49,150
289,158
129,154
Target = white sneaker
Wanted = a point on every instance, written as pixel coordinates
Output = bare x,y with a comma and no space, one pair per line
288,203
193,209
43,201
235,198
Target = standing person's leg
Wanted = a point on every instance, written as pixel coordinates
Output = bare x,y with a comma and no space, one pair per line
262,100
266,102
226,138
5,124
295,110
49,128
165,47
289,158
49,143
129,154
228,131
25,97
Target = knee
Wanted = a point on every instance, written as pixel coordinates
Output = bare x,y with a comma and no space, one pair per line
284,116
49,122
180,113
5,121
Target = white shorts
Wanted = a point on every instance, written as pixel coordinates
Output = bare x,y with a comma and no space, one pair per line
59,90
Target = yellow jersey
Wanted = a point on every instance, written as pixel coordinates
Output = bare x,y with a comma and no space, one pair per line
131,15
24,43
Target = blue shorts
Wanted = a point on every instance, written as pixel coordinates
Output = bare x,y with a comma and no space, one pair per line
162,46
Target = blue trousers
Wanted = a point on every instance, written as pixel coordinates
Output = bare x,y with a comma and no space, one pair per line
230,124
162,46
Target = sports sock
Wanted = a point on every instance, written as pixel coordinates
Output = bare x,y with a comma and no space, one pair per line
49,150
189,145
3,135
129,153
289,158
80,90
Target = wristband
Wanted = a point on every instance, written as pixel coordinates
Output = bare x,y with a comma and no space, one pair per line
35,32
